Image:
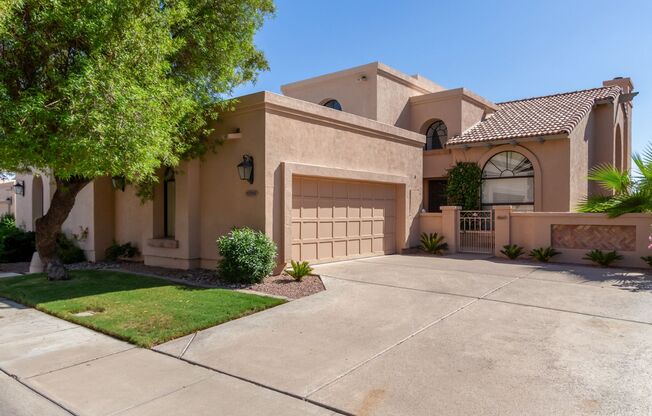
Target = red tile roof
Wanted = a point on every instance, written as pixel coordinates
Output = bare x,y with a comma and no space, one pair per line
537,116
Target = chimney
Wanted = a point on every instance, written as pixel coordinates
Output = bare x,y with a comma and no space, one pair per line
624,83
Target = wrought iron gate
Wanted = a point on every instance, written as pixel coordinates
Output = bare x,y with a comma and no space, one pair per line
476,231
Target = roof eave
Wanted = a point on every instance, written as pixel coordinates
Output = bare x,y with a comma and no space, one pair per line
511,140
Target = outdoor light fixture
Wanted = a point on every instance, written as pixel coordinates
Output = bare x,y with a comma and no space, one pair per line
19,188
246,169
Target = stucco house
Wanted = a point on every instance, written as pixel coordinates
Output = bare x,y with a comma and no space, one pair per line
343,164
7,205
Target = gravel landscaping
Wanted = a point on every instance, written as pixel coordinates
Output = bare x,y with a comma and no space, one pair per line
14,267
280,285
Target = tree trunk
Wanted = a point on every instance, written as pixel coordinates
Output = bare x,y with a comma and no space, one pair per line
49,225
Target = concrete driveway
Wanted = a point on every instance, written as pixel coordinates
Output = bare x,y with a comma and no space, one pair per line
456,336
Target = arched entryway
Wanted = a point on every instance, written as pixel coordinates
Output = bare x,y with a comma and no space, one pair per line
618,157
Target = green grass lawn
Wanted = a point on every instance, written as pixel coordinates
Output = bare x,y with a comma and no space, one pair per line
142,310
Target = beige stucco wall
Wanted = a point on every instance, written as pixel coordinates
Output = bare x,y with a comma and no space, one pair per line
355,154
7,198
532,230
551,160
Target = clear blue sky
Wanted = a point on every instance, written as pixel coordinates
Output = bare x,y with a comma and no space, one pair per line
501,50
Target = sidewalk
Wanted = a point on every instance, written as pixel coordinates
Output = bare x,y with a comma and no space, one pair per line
88,373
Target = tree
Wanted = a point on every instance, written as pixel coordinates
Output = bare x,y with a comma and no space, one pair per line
90,88
629,192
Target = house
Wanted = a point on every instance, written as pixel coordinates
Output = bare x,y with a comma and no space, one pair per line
7,205
343,164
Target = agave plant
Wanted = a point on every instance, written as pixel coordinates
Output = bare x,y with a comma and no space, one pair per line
602,258
433,243
631,192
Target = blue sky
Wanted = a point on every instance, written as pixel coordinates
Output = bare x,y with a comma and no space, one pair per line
501,50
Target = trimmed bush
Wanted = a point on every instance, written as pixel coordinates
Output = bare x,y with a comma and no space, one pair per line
248,256
602,258
68,250
463,185
512,251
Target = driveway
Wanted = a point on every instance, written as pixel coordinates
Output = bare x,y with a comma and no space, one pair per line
455,335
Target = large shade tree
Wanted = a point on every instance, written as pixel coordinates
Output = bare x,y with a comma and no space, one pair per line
90,88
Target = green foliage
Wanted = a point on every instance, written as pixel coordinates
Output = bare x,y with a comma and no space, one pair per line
299,270
433,243
512,251
68,250
602,258
115,250
142,310
630,192
463,187
248,256
647,259
119,88
543,254
16,245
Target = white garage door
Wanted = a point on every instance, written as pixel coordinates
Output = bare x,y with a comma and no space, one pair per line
339,219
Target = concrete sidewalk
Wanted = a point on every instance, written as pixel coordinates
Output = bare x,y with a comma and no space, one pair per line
87,373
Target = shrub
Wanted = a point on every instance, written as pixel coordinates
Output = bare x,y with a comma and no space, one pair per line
544,254
433,243
115,250
16,245
299,270
68,250
463,185
647,259
602,258
512,251
247,256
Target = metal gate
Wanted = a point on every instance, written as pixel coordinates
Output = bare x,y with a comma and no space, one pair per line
476,231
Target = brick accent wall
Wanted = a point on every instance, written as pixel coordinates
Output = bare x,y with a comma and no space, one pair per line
603,237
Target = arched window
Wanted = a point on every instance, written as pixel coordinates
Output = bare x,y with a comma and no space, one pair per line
508,179
169,203
436,135
334,104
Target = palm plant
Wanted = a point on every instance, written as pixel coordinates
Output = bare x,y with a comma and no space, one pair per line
631,192
433,243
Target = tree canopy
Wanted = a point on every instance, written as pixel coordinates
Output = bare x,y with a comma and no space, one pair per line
118,87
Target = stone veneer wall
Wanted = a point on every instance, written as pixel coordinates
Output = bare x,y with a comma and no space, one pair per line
603,237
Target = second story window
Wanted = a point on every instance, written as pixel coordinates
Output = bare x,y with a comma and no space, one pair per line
334,104
436,135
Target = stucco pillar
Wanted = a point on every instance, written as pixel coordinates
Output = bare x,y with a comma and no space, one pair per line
502,221
450,226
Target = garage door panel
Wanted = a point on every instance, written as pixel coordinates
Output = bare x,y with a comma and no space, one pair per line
338,219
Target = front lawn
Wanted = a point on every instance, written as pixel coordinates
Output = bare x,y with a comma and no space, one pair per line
143,310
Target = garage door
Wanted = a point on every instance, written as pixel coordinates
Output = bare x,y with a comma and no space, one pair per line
338,219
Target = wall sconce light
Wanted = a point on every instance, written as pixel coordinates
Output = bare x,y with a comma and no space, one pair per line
19,188
246,169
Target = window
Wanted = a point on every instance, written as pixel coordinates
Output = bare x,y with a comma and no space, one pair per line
508,179
334,104
169,206
436,194
436,135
